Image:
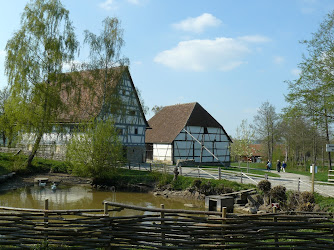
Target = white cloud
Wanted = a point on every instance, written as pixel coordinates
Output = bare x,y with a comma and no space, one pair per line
279,59
296,72
107,5
198,24
255,39
136,2
200,55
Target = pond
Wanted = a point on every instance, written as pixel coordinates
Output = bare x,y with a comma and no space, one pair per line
84,197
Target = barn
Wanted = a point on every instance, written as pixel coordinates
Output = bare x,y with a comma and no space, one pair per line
186,132
127,114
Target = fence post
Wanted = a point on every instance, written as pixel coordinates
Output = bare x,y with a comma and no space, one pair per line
275,220
180,170
313,173
224,210
241,177
219,173
105,208
150,167
129,165
46,219
266,177
163,243
299,184
199,175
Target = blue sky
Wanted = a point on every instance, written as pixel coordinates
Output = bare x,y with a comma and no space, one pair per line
229,56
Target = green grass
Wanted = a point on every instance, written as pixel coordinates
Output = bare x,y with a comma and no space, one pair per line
253,168
325,203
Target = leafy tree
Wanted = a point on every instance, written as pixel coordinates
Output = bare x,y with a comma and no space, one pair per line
241,145
106,65
313,92
156,109
4,95
95,149
35,57
266,125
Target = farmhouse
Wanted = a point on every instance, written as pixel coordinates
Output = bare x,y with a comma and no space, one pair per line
186,132
124,107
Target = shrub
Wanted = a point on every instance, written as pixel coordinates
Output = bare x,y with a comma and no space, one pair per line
278,194
264,186
306,197
197,184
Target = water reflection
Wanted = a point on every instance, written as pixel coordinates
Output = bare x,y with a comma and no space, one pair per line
83,197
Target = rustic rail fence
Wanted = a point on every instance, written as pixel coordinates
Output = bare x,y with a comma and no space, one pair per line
159,228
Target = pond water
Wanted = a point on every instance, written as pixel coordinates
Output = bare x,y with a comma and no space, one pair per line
84,197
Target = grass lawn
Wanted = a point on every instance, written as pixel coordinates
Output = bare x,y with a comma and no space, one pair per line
254,168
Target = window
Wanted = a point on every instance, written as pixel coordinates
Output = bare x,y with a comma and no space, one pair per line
206,130
136,131
132,112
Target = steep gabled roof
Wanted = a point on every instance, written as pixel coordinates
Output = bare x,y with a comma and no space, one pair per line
85,102
169,122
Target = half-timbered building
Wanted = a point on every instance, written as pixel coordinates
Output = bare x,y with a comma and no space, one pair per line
125,109
187,132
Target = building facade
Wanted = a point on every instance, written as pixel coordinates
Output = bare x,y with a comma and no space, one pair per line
187,132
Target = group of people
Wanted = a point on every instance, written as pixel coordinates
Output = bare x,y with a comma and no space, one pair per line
279,166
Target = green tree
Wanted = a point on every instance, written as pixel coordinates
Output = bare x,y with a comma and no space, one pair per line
241,145
313,92
34,64
266,124
156,109
4,95
107,65
95,149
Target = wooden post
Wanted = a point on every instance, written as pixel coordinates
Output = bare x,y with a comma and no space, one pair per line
275,220
299,184
46,219
266,176
105,208
129,165
241,177
162,224
313,173
150,167
224,211
199,175
180,170
219,173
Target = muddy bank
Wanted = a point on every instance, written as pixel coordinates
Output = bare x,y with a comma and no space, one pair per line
24,181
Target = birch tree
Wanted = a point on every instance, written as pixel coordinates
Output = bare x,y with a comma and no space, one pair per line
34,64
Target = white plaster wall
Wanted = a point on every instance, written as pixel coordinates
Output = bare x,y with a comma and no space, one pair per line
162,152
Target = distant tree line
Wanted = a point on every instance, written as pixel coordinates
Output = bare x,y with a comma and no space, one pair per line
299,134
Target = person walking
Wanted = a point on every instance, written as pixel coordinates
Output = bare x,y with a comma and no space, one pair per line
278,166
283,166
268,165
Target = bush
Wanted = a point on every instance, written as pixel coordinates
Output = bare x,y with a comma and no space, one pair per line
95,150
278,194
264,186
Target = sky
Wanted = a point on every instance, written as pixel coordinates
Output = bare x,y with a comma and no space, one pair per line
230,56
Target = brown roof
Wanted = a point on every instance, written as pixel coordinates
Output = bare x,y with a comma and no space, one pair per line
84,102
169,122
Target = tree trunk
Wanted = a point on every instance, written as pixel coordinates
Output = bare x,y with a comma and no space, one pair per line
328,142
34,150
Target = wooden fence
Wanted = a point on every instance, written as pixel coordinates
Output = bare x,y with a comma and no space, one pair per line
159,228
